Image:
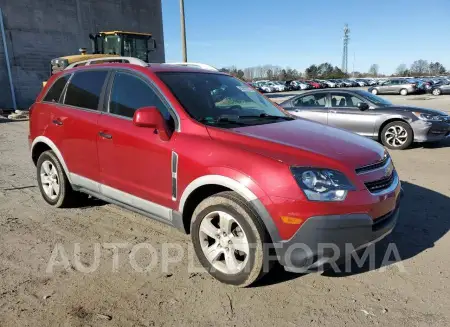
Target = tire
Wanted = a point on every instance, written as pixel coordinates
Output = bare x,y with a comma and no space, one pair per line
48,168
436,92
404,92
229,210
397,135
374,91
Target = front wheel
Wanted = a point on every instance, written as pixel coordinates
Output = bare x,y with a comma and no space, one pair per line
397,135
374,91
229,239
404,92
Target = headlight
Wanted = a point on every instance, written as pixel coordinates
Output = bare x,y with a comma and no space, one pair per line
428,117
322,184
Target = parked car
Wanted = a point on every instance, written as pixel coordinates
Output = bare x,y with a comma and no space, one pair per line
394,86
329,83
313,84
441,88
203,152
303,85
369,115
264,87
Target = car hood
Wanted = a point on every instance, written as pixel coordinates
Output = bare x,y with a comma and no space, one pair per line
303,142
419,109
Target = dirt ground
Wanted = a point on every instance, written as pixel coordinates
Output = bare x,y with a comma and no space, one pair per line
412,292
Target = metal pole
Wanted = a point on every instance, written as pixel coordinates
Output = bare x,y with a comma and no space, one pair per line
8,67
183,31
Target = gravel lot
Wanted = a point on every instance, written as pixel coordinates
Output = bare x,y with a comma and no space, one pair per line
419,295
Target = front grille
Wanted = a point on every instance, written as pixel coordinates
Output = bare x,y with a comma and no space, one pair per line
381,184
373,166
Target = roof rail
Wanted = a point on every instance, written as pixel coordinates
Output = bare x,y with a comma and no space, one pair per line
104,60
194,65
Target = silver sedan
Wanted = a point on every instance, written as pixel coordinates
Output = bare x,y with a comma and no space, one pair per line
372,116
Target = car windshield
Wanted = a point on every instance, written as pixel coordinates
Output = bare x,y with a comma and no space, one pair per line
221,100
375,99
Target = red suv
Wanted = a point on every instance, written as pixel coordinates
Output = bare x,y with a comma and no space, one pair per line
204,152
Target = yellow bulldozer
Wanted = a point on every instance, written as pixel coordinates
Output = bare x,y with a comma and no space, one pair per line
107,44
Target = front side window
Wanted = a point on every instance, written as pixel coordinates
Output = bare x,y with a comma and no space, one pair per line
84,89
56,89
130,93
216,99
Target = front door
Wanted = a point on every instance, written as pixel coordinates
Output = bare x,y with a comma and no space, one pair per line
135,164
344,113
311,106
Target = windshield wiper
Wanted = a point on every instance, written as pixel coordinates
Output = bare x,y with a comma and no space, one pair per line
268,116
221,119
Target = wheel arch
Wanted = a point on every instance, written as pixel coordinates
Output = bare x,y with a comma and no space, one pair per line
41,144
208,185
383,125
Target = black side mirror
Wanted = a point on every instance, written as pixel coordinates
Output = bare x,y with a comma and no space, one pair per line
362,106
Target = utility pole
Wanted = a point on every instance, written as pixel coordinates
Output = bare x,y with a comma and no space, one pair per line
345,50
183,31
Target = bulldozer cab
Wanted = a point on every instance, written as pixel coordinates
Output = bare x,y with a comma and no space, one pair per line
126,44
107,44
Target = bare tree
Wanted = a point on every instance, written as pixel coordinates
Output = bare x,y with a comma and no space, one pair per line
401,70
420,67
373,70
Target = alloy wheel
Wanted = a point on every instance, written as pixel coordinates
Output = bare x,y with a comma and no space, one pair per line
223,242
436,92
50,179
396,136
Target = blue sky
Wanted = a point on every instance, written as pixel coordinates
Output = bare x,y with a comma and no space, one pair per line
298,33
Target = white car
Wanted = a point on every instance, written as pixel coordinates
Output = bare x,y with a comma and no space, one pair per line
329,83
277,87
265,87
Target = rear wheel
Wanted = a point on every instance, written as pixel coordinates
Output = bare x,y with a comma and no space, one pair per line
229,239
403,92
436,92
52,180
374,91
397,135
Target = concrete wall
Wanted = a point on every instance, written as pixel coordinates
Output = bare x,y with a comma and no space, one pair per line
40,30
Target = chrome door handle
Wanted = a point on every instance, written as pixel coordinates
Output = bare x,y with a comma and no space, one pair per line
57,122
105,135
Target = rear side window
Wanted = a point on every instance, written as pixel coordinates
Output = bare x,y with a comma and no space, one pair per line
85,88
56,89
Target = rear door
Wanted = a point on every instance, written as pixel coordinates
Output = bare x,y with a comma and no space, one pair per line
77,119
345,114
311,106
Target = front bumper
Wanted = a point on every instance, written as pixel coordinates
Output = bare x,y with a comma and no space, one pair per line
430,131
324,239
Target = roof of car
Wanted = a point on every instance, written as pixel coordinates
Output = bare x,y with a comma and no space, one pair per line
156,68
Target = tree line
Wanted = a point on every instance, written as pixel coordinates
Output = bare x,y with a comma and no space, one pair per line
328,71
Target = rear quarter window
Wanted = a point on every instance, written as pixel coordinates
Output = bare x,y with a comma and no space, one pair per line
54,93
